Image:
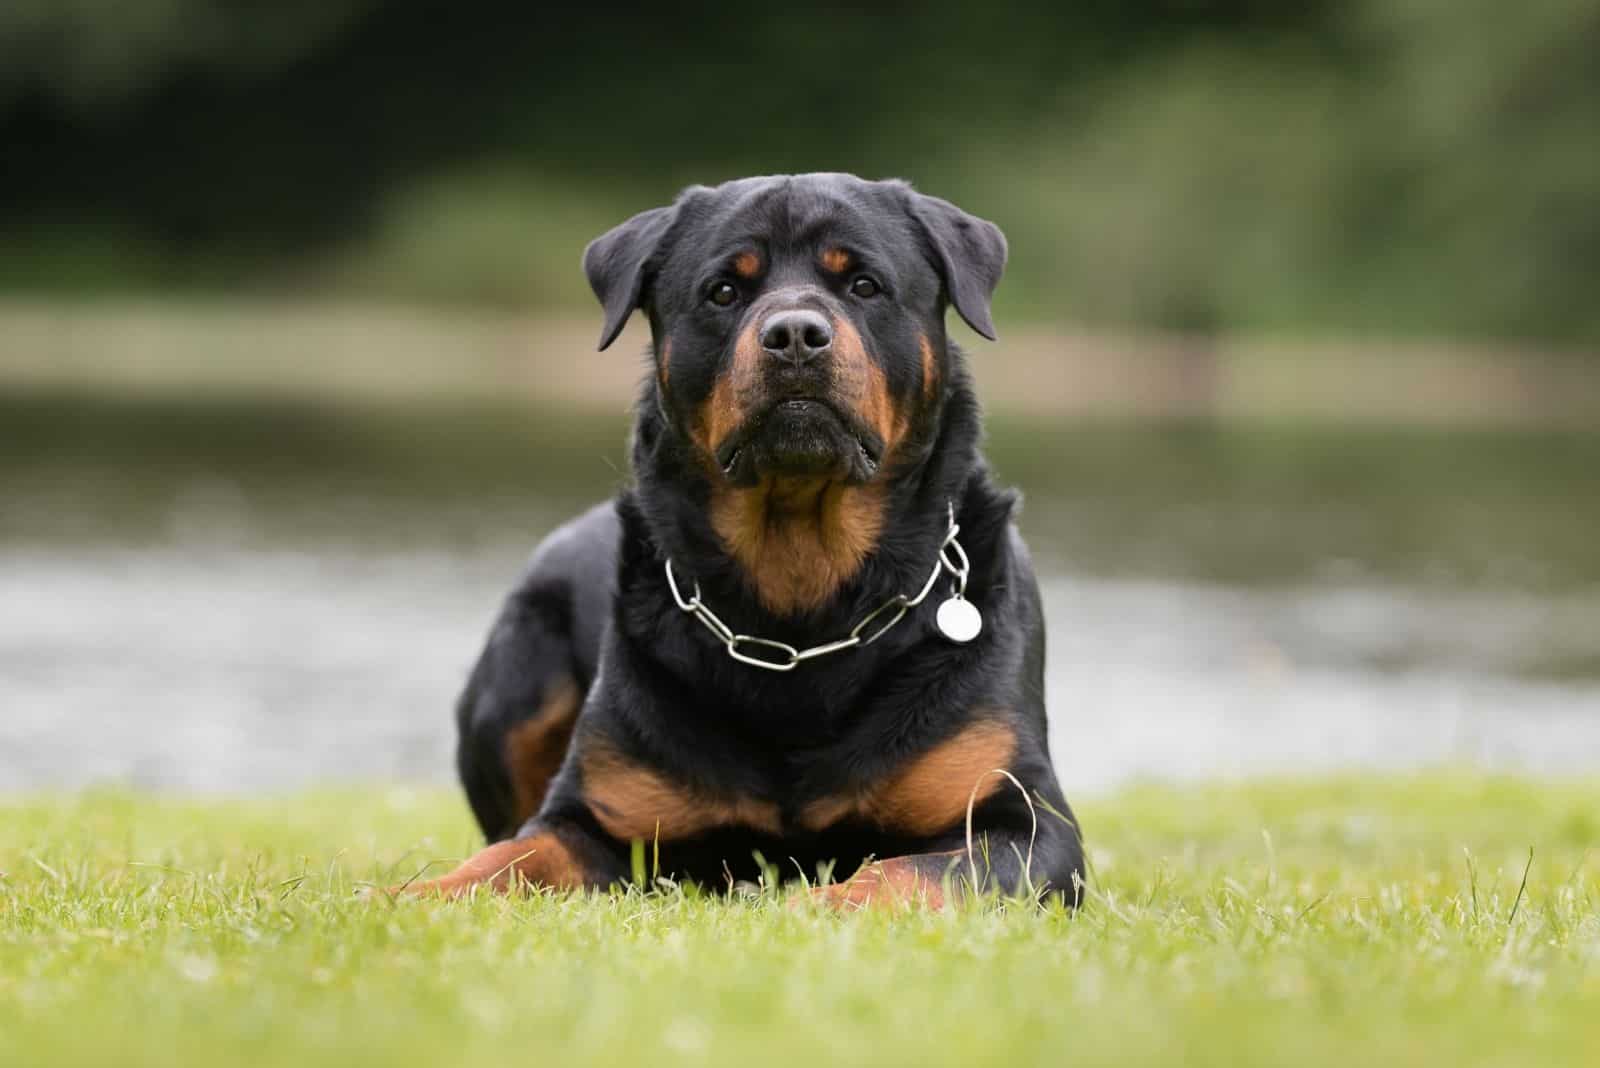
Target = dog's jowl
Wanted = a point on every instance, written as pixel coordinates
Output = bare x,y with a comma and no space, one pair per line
809,632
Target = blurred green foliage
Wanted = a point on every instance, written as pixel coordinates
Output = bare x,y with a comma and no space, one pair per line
1421,166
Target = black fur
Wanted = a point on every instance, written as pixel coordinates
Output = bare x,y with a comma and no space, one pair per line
594,605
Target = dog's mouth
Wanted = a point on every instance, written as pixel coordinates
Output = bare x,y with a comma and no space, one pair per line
800,436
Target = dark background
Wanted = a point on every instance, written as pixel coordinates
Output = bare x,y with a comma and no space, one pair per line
1391,166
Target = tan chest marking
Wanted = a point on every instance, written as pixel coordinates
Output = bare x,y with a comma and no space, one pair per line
930,792
798,540
634,802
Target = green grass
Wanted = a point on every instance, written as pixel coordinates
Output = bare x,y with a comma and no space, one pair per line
1357,920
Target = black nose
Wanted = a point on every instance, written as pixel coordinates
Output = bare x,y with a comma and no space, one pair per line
797,336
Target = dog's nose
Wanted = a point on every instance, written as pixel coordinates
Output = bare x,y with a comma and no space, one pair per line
797,336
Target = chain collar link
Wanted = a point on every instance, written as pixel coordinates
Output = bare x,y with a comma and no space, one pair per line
871,627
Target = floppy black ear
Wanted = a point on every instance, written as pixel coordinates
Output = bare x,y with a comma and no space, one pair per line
972,253
616,263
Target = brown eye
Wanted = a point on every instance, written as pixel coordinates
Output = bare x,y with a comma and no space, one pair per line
865,287
723,294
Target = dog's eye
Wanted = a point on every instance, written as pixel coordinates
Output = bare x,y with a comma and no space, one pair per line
723,294
865,287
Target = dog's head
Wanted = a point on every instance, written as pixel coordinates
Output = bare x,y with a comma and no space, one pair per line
798,321
801,364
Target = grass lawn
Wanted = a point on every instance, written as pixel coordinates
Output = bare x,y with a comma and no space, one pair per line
1360,921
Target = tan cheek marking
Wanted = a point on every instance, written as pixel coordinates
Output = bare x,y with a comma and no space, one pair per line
535,748
718,416
723,410
930,370
886,417
836,260
747,265
930,793
538,861
861,384
633,802
666,360
798,541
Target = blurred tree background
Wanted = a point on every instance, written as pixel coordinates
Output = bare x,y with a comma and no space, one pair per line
1300,368
1389,166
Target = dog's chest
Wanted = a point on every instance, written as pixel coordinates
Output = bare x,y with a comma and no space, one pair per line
924,794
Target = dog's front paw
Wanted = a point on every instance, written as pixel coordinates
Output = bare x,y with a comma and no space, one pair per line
503,867
888,884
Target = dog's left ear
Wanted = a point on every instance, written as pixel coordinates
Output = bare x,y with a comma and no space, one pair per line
972,256
618,261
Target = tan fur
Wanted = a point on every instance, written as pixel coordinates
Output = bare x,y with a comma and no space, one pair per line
930,370
896,883
929,793
535,747
539,861
666,361
798,540
836,260
634,802
725,408
860,383
747,265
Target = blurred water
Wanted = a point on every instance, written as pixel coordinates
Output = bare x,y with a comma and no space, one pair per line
255,670
302,606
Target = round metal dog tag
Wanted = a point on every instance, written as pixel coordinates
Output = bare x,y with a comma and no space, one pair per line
959,620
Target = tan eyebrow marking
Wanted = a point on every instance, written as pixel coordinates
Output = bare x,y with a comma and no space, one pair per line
836,260
747,265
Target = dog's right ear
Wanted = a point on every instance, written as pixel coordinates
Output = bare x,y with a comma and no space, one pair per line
618,263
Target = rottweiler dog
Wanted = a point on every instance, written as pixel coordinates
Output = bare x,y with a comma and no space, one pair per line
808,639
